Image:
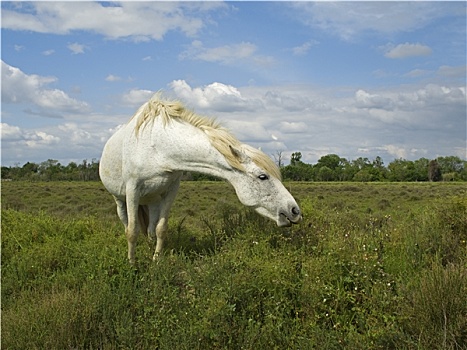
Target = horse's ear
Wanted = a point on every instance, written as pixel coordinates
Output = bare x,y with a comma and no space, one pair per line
240,155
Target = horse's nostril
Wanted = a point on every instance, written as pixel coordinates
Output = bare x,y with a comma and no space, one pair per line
295,211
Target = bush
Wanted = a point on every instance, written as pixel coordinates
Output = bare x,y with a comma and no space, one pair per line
436,309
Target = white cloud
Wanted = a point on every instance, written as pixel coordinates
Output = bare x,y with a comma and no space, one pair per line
136,97
65,142
304,48
366,100
113,78
249,131
416,73
350,19
10,132
18,87
32,139
407,50
293,101
396,151
318,122
434,97
293,127
449,71
77,135
226,54
48,52
76,48
40,139
381,74
401,151
138,21
215,96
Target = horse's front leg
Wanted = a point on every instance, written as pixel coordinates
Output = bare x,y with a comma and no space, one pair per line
161,232
163,216
133,227
157,227
154,213
121,211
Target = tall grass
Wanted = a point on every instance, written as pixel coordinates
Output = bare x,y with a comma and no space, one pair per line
346,278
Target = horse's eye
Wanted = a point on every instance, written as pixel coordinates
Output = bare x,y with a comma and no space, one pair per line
263,177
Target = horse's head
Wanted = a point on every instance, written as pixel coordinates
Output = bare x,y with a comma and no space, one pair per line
262,190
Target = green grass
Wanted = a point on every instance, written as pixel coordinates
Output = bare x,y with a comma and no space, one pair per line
372,266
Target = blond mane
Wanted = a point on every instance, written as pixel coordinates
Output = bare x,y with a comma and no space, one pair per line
220,138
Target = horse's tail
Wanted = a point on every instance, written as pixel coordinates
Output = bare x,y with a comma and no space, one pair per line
143,216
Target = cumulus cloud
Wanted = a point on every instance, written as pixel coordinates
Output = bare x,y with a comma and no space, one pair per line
30,138
366,100
40,139
77,135
138,21
249,131
407,50
136,97
10,132
432,96
396,151
19,87
63,142
400,151
293,101
215,96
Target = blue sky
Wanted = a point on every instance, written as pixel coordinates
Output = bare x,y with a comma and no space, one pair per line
358,79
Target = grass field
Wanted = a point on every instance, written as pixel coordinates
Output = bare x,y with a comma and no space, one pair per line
372,266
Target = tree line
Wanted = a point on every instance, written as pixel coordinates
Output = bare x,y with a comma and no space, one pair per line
330,167
52,170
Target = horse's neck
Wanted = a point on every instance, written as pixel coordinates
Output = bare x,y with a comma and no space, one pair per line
188,149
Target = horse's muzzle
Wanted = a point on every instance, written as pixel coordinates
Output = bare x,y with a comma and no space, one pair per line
293,217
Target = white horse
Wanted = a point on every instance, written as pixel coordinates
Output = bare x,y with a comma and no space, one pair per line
142,164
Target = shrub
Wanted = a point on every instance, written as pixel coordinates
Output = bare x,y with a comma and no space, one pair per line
435,309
